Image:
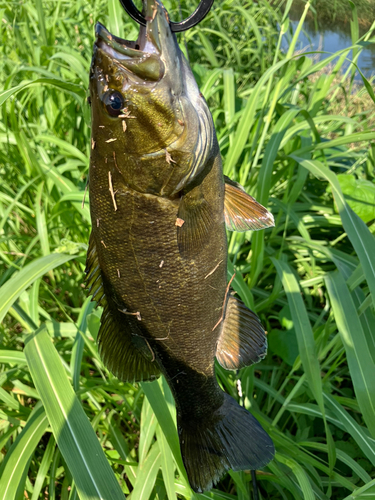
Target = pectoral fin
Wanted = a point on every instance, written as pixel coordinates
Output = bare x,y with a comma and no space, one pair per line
195,218
122,347
243,340
242,211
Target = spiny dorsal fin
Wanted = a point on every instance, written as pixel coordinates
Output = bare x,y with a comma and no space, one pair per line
121,345
242,341
195,218
242,211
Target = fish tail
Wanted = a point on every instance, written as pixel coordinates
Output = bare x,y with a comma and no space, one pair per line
229,438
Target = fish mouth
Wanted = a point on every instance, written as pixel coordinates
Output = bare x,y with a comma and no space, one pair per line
141,57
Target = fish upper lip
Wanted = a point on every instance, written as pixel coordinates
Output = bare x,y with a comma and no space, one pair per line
121,46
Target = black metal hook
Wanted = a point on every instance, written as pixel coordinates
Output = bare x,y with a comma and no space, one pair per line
200,13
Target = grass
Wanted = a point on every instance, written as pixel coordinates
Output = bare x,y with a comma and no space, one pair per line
336,12
310,278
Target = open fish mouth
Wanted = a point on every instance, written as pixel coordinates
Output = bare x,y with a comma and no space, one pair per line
142,57
126,48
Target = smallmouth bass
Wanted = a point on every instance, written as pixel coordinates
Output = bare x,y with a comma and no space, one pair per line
157,258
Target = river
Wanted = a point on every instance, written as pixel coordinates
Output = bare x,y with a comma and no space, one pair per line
330,39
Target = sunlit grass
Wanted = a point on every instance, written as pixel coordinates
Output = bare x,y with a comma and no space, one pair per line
285,136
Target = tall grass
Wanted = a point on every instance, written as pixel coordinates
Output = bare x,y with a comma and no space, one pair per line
338,12
310,278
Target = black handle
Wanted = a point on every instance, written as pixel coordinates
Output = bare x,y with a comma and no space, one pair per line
200,13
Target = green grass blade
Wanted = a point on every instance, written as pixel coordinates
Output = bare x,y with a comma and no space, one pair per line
147,430
79,343
44,467
299,472
359,234
12,357
167,465
229,100
66,148
75,437
72,88
366,492
305,336
270,153
343,457
240,286
361,365
13,288
17,459
367,318
358,433
119,443
247,120
115,11
67,187
146,475
164,418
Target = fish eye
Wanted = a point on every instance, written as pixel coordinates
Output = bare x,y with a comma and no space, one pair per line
113,102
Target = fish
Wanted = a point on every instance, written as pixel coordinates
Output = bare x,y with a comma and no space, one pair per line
157,254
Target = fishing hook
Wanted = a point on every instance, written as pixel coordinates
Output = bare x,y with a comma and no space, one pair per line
197,16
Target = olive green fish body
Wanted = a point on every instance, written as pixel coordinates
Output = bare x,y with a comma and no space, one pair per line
158,250
144,272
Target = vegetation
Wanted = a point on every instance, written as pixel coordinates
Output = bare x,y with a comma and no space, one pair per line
334,12
310,278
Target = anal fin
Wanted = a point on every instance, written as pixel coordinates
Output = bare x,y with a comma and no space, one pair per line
243,340
242,212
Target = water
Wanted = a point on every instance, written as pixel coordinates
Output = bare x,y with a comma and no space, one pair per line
331,39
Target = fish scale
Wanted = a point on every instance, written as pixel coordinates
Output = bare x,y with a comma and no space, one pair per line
157,258
143,219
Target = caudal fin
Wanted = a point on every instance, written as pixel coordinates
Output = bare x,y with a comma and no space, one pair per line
229,438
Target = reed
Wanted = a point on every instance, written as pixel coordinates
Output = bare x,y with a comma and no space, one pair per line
69,429
336,12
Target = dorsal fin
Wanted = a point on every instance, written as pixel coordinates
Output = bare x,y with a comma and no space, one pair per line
242,211
122,347
243,340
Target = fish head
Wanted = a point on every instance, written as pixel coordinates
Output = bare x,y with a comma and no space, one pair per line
147,110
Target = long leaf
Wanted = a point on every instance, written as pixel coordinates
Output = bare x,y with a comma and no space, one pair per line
366,492
167,425
361,365
305,336
358,433
146,476
147,430
359,234
13,288
17,459
167,465
75,437
72,88
304,483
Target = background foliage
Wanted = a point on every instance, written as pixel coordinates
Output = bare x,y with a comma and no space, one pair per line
290,137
